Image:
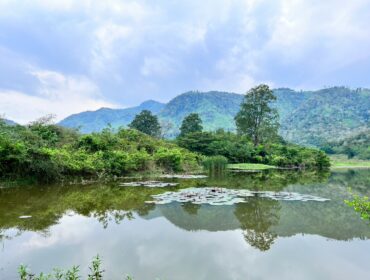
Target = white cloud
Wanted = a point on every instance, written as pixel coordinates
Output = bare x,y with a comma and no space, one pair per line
160,66
57,94
136,50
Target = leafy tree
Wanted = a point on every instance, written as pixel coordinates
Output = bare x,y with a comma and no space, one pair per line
191,123
256,118
147,123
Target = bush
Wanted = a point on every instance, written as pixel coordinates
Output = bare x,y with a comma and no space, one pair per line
239,149
170,160
36,151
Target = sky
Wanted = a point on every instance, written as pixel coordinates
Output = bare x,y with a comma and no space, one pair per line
66,56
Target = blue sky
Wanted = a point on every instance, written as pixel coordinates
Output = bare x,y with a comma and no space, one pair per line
67,56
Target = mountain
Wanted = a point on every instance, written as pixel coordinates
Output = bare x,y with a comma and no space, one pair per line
92,121
8,122
307,117
327,115
216,109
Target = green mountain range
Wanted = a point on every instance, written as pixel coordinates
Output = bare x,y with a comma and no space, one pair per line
328,115
306,117
94,121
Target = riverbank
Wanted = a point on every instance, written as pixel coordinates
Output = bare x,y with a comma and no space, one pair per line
250,166
341,161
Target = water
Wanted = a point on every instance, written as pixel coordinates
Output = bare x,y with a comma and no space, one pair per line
261,238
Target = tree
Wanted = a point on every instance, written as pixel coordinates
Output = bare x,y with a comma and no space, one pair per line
147,123
191,123
256,118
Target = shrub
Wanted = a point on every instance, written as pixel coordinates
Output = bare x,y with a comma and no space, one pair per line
170,160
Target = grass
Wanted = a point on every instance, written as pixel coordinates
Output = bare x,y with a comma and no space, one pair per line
250,166
341,161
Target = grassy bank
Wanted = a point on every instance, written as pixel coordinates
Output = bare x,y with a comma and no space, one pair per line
250,166
341,161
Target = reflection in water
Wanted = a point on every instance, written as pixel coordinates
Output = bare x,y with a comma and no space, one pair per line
261,221
191,208
256,217
112,203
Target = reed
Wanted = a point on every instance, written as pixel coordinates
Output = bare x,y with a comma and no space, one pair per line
215,164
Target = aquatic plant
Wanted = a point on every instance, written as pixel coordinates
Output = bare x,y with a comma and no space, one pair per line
96,273
360,204
223,196
215,164
149,184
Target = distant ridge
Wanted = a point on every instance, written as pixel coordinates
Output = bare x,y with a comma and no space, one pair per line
8,122
93,121
306,117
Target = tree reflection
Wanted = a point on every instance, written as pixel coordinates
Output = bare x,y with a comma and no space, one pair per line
256,218
191,208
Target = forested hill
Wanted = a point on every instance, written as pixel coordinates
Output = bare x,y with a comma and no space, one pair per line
307,117
216,109
328,115
94,121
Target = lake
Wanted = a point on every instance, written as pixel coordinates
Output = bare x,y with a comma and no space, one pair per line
258,238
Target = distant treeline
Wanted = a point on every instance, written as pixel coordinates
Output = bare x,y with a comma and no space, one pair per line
357,145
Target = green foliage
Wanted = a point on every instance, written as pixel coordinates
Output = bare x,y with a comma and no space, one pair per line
239,149
191,123
357,146
96,273
216,109
47,152
328,115
256,118
361,205
215,164
147,123
170,160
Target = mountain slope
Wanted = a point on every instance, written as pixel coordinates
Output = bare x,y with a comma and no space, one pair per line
356,145
216,109
92,121
327,115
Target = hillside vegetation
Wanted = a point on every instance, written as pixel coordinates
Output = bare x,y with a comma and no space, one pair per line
357,145
216,109
95,121
306,117
328,115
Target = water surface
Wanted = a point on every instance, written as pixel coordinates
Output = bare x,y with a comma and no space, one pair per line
258,239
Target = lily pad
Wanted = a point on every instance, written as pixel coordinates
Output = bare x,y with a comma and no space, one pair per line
25,217
149,184
183,176
222,196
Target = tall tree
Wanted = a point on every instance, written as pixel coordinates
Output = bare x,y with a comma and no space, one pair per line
147,123
256,118
191,123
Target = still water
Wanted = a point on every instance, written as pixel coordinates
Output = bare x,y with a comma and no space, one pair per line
260,238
